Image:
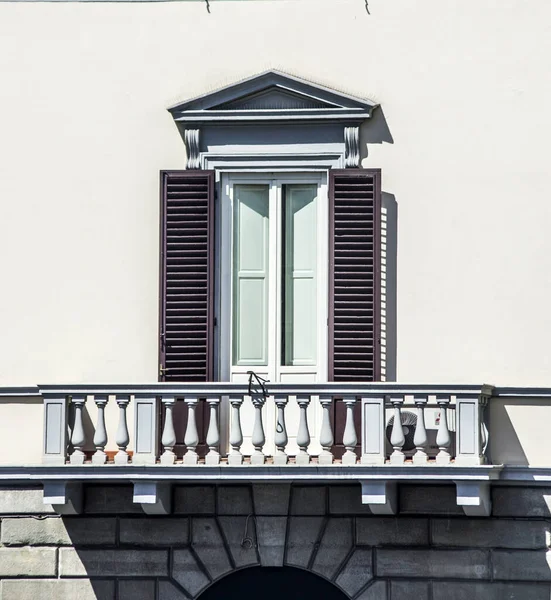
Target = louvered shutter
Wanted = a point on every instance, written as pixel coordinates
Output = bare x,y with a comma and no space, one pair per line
354,274
187,278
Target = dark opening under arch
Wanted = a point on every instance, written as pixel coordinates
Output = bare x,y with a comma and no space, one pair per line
273,583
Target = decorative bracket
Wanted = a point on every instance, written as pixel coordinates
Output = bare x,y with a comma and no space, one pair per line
351,147
155,497
474,497
65,497
191,141
380,496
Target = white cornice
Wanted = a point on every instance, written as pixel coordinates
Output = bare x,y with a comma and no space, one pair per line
294,99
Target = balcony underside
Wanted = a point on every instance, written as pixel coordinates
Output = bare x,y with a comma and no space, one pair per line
152,483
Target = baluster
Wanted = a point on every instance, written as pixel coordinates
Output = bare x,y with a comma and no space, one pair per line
78,437
443,438
258,438
326,434
281,437
420,438
213,434
397,439
349,438
191,437
100,436
303,434
122,438
236,434
168,439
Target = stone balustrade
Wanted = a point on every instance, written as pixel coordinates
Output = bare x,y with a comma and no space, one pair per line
382,424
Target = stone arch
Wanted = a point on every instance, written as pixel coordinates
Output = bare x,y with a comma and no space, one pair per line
272,583
262,529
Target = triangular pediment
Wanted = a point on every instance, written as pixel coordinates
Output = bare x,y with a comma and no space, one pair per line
272,96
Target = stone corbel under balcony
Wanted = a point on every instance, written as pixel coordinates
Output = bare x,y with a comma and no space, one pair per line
64,496
380,492
155,497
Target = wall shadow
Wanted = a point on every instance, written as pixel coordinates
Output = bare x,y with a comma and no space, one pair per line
199,551
517,431
389,266
374,131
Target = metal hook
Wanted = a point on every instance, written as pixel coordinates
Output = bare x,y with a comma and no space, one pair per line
247,541
260,381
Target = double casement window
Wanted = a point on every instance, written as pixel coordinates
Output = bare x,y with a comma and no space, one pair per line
273,272
273,264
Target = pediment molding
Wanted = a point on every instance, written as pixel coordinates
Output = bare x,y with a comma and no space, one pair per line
272,121
273,96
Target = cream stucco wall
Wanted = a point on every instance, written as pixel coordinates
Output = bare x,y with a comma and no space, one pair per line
465,91
519,431
21,434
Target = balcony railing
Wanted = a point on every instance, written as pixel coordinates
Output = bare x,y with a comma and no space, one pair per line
399,424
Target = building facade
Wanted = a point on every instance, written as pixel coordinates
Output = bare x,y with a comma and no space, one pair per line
274,314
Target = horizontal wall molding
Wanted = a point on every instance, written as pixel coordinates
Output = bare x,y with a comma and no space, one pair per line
141,1
543,393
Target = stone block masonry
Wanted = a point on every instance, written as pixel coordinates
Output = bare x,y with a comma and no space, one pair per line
427,552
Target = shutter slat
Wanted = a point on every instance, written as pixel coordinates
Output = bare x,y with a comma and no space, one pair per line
187,242
354,318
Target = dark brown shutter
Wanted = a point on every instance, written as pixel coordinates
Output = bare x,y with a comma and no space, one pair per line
354,274
187,278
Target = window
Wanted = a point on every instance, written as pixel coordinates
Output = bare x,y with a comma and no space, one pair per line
273,276
270,249
295,271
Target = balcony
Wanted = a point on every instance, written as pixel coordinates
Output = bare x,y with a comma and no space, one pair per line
151,435
392,428
378,435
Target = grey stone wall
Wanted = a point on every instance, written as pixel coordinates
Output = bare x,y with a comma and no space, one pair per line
429,551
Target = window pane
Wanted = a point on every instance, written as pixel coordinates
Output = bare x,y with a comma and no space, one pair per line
250,275
299,275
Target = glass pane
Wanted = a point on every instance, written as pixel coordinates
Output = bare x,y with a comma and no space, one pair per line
250,274
299,274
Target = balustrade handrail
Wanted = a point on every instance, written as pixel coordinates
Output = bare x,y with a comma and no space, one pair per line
13,391
226,388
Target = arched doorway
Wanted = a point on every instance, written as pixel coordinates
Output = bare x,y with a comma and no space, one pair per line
273,583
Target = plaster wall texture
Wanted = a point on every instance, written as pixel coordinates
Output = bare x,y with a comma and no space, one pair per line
465,95
114,551
21,432
518,431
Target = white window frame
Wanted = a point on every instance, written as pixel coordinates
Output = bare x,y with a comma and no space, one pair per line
224,308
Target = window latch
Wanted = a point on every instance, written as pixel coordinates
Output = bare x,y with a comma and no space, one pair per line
163,370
